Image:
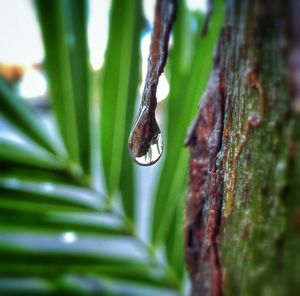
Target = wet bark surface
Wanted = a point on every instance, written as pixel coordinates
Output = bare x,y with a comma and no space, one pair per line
243,204
204,197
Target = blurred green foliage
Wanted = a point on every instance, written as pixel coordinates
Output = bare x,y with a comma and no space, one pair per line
58,231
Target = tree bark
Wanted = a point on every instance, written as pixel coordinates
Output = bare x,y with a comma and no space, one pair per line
243,204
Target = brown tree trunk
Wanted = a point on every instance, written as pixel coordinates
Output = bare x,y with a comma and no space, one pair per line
243,204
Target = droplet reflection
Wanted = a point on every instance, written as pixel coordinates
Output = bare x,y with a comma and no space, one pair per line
154,152
145,141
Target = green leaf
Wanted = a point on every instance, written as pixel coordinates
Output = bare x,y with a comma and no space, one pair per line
19,113
50,193
24,217
119,91
65,263
99,250
128,288
83,284
19,154
38,174
43,197
175,243
63,25
27,285
182,108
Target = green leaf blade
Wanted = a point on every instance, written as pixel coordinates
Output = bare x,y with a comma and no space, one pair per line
63,25
16,111
174,171
119,90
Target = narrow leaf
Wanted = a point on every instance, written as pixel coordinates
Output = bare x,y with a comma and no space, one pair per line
18,154
174,171
24,118
63,25
45,192
119,90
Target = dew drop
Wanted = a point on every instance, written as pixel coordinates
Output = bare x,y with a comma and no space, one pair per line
145,143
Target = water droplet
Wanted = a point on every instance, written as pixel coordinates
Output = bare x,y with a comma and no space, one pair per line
145,141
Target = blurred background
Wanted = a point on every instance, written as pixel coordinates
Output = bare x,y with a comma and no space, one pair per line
76,214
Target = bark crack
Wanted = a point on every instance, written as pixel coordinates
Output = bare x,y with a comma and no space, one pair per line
204,199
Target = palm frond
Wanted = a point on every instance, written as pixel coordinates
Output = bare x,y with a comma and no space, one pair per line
59,233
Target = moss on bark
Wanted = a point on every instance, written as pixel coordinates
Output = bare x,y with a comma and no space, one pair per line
255,211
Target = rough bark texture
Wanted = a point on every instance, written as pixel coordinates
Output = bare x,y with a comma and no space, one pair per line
243,205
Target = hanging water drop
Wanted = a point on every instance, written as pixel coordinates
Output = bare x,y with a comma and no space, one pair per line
145,141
